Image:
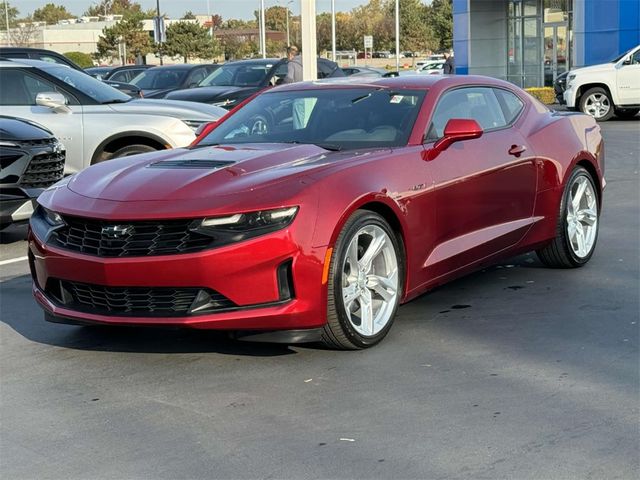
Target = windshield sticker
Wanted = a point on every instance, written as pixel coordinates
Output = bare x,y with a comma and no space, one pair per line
396,99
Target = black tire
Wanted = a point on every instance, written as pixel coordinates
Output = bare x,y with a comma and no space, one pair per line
626,112
597,90
338,333
132,150
558,253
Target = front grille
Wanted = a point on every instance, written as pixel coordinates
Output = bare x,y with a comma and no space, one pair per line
136,301
44,170
40,142
129,239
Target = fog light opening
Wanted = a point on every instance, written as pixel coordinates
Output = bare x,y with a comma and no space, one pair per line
285,281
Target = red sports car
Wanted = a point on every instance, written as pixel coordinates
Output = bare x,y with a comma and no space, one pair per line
315,209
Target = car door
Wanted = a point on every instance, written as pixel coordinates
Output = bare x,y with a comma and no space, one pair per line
485,187
628,79
18,99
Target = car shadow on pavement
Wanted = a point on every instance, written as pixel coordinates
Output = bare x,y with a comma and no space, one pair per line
19,311
13,233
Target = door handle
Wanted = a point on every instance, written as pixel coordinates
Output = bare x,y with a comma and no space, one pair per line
516,150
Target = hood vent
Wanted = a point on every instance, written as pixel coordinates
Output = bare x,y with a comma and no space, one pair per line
188,163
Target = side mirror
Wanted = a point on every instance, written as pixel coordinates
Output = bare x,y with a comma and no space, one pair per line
54,100
456,130
205,127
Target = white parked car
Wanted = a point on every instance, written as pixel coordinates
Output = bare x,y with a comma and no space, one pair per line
94,121
607,89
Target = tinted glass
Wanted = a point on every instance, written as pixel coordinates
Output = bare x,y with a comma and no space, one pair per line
88,85
20,88
510,103
478,103
161,78
345,118
245,75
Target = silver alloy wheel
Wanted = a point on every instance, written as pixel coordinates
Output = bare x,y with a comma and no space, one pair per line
370,280
597,105
582,217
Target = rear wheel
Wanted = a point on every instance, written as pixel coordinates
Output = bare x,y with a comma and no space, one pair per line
577,227
626,112
597,103
365,283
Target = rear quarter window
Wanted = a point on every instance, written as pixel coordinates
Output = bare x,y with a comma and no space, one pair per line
511,105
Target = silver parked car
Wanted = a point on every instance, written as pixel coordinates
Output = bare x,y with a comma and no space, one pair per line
95,121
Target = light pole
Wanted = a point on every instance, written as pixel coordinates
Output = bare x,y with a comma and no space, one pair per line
287,19
263,36
397,35
159,32
333,30
6,19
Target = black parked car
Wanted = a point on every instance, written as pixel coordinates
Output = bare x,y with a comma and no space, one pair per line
559,86
118,73
19,53
157,82
31,159
233,82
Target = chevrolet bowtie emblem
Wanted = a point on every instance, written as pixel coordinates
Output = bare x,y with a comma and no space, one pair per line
116,231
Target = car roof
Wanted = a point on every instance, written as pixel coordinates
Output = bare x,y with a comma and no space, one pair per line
27,62
255,61
418,82
180,66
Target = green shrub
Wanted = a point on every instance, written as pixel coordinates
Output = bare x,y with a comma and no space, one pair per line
545,94
83,60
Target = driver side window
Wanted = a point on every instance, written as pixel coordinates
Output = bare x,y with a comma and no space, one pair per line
477,103
19,88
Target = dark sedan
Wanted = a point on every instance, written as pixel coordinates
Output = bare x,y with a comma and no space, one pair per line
235,81
157,82
117,73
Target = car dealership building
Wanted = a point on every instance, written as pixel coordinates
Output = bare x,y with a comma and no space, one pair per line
531,42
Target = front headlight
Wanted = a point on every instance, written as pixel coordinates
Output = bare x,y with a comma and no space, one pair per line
54,219
242,226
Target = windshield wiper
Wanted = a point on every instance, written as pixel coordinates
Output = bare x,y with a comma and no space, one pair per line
327,146
116,100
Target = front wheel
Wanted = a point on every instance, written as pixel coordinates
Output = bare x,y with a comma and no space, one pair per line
597,103
577,227
365,283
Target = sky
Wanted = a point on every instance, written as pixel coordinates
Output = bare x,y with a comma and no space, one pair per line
175,8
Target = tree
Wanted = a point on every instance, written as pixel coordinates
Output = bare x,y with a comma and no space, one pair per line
440,18
128,31
188,15
126,8
189,40
23,34
51,14
83,60
415,32
13,14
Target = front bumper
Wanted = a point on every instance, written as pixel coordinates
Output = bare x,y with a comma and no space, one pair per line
245,273
569,97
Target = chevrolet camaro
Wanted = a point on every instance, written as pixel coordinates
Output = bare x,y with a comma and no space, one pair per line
314,210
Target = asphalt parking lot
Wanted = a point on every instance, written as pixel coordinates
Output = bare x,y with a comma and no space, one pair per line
517,371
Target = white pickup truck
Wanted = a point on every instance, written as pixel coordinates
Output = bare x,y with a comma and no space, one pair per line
607,89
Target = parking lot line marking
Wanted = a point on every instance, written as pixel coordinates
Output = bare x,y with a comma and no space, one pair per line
13,260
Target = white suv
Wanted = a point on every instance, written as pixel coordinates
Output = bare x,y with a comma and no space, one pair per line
607,89
94,121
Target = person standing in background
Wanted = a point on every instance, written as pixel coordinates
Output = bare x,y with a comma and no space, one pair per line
449,64
294,67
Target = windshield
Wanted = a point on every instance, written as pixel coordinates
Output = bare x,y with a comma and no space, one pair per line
620,57
100,92
336,118
237,75
160,78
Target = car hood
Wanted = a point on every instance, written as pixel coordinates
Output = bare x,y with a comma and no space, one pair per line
604,67
20,130
210,172
170,108
211,94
